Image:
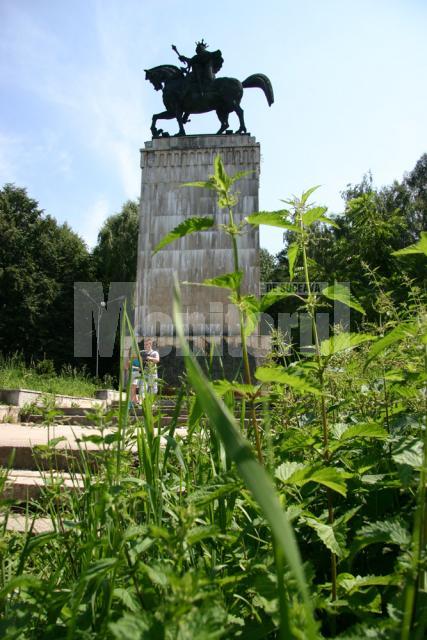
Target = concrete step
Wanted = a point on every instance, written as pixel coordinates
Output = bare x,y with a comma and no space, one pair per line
26,484
110,396
22,523
65,411
25,447
168,419
22,397
8,413
82,411
66,420
237,411
87,420
21,444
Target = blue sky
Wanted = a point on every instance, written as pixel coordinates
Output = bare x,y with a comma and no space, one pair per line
349,78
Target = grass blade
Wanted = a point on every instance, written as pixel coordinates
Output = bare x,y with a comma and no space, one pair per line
255,477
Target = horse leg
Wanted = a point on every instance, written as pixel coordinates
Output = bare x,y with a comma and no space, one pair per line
179,116
238,109
223,118
164,115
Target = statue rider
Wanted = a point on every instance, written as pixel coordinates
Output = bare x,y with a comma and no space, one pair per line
202,67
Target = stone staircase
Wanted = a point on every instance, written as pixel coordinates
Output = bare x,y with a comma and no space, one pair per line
32,463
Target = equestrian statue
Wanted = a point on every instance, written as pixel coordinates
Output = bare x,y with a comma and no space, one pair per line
195,89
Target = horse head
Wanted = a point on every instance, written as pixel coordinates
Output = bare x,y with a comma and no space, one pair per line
151,76
158,76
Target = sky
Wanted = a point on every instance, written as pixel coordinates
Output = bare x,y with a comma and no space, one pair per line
349,78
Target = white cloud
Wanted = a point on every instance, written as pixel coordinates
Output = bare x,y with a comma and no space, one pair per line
98,101
9,147
19,158
95,217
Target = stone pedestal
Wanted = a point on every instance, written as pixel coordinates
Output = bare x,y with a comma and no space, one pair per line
166,164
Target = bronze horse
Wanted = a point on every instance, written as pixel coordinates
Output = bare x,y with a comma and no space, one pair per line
181,97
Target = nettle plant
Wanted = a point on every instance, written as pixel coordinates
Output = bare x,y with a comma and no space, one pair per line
334,455
322,535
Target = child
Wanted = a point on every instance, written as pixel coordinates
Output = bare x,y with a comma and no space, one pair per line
150,360
133,363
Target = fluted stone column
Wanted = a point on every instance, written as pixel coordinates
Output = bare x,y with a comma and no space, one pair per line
166,164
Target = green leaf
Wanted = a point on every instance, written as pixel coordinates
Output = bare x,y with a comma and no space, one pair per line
244,390
220,174
409,452
372,478
368,430
358,431
399,333
330,477
253,474
326,535
207,184
342,294
329,221
199,533
273,296
305,196
129,627
312,215
125,596
295,440
287,469
386,531
353,583
273,219
54,441
191,225
40,540
343,342
250,305
281,376
293,250
418,247
196,413
155,574
99,568
206,495
241,174
363,603
225,281
19,582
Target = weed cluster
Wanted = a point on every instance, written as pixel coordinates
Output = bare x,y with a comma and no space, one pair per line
295,506
41,376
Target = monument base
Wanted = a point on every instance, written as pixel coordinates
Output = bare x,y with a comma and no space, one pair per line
167,164
218,357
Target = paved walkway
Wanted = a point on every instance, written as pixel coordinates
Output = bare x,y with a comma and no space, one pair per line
18,435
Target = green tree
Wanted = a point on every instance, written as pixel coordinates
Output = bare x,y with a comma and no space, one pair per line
358,249
115,255
267,264
39,262
416,183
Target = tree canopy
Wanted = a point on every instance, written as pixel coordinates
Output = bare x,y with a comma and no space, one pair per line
39,262
359,248
40,259
115,254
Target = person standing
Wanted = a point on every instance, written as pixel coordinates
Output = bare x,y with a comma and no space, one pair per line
133,368
150,360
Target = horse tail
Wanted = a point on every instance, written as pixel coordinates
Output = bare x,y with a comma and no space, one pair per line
260,81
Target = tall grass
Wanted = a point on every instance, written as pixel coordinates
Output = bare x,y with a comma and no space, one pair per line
176,538
41,376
